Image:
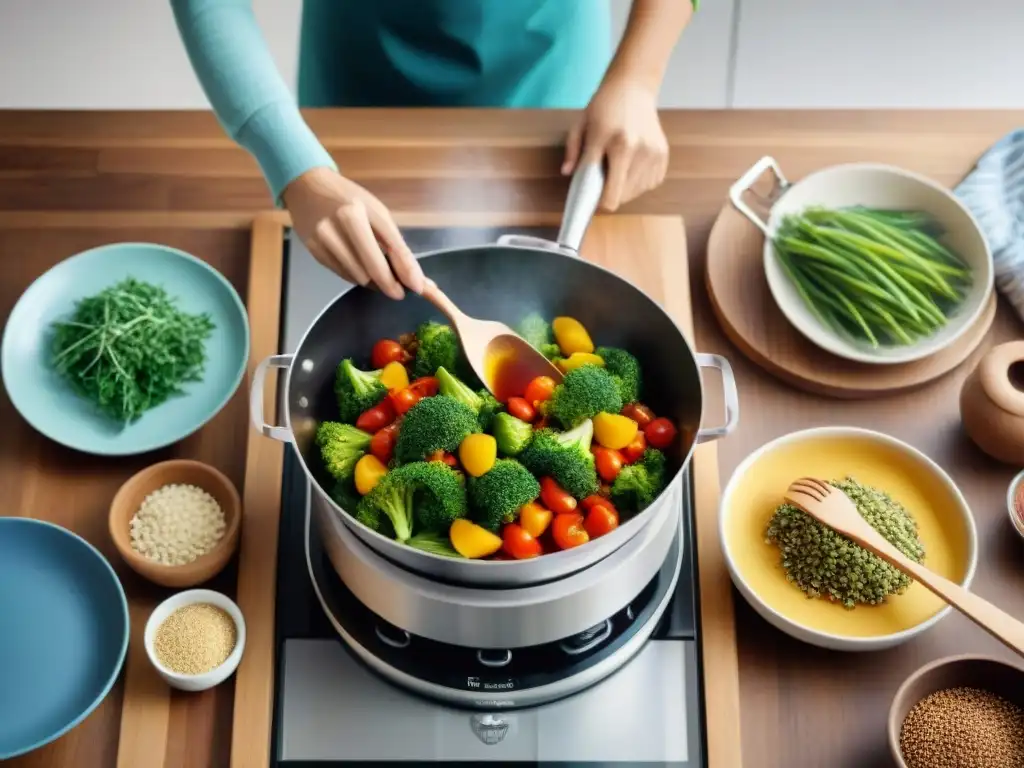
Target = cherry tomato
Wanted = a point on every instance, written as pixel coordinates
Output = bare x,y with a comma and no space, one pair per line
517,541
535,519
539,390
660,433
544,423
609,463
426,386
568,531
403,399
378,417
596,500
554,498
521,409
632,452
382,445
388,351
601,520
444,456
641,414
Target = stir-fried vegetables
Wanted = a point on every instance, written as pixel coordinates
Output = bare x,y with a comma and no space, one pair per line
424,456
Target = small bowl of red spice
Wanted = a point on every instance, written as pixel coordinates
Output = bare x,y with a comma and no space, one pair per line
1015,502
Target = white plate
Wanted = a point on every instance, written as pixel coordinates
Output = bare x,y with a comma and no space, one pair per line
875,186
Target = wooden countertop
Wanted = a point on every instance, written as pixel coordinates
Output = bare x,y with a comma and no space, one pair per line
69,181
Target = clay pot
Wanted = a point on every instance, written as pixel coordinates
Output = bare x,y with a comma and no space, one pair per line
992,403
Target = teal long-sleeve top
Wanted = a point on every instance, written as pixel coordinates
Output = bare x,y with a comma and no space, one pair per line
486,53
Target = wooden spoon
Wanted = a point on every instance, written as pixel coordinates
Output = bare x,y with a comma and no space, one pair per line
829,505
504,361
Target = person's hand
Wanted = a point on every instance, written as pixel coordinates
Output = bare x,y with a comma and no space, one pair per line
351,232
621,123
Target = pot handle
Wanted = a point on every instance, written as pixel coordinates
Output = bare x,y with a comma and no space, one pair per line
256,397
731,398
746,181
580,205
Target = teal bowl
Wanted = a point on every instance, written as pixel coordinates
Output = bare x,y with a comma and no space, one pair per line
48,403
65,627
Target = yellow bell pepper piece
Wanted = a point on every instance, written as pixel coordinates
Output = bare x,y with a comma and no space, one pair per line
369,471
472,541
478,453
394,376
571,336
577,359
614,431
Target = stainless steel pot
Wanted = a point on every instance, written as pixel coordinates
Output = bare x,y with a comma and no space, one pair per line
504,281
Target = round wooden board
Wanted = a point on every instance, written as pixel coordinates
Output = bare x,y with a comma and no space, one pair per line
752,321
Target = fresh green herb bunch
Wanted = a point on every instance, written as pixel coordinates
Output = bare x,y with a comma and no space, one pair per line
824,563
129,348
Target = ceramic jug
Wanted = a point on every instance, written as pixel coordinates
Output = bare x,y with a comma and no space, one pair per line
992,403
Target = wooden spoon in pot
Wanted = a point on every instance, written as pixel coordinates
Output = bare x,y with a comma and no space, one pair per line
504,361
829,505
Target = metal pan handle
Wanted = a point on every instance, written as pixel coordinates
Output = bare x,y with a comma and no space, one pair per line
730,397
746,181
259,376
580,206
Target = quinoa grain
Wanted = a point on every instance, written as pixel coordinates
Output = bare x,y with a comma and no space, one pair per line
963,728
177,524
195,639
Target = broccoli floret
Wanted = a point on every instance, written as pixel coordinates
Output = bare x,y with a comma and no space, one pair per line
625,370
341,446
637,485
496,497
345,495
450,385
565,457
490,408
584,393
535,330
551,351
438,348
440,496
482,402
434,424
356,390
511,434
391,498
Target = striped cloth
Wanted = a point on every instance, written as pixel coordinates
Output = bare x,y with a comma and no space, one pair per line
994,193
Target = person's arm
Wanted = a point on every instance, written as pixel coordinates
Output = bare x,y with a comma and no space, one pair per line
652,31
247,93
620,125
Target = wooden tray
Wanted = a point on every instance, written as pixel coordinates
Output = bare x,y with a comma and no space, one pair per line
752,321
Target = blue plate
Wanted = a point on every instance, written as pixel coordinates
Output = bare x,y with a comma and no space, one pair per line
48,403
63,632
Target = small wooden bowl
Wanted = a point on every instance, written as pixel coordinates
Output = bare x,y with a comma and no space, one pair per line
185,472
984,672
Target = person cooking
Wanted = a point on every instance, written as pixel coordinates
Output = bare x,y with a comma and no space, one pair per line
544,54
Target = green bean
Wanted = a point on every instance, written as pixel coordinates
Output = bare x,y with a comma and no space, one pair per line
922,246
875,275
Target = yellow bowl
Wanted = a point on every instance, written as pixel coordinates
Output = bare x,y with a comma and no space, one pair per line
945,526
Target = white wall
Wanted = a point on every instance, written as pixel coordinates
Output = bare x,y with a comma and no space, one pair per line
114,54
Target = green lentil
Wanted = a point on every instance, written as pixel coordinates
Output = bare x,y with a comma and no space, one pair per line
823,563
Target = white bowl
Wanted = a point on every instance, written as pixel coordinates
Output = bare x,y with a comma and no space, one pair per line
946,527
876,186
218,674
1011,492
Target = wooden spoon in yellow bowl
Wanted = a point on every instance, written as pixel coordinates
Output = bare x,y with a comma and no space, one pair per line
830,506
